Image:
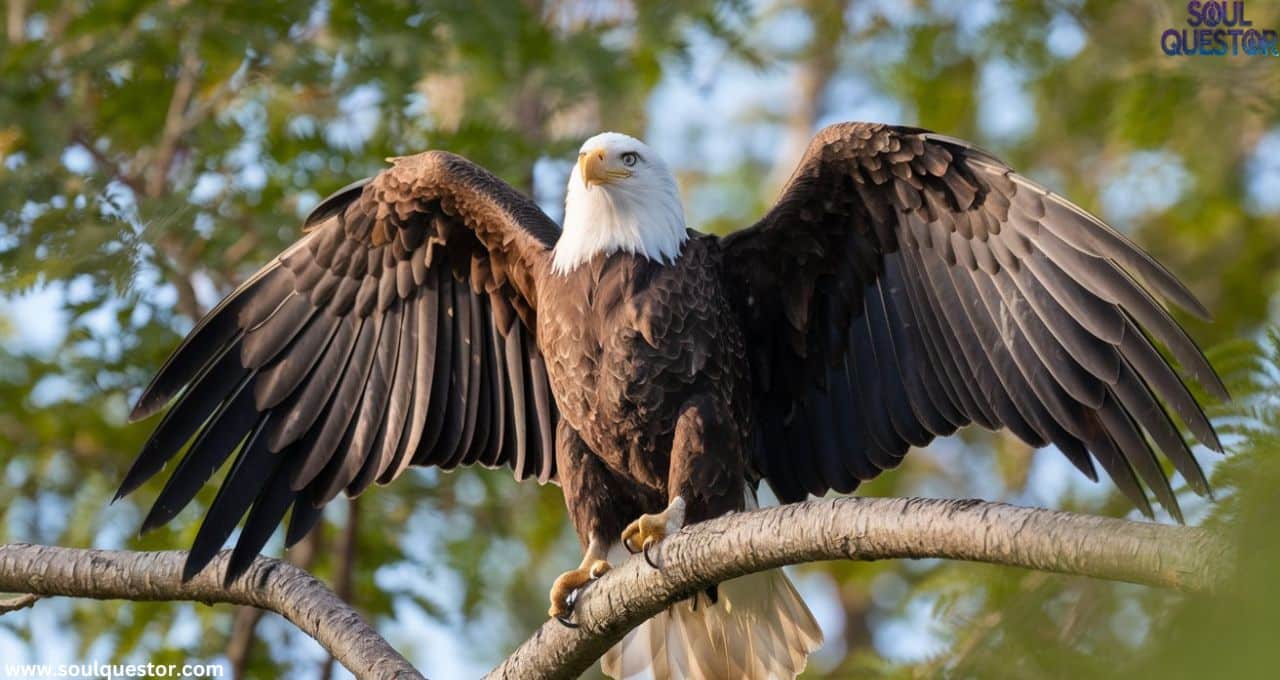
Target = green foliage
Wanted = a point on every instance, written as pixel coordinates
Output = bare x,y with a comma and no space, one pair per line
152,154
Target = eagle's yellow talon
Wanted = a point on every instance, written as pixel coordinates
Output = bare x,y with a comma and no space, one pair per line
563,587
599,568
592,568
648,530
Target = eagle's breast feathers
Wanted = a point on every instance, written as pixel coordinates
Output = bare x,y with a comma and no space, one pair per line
632,340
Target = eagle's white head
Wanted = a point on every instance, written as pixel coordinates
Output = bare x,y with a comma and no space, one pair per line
621,197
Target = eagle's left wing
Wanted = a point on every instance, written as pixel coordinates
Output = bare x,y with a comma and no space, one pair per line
398,331
907,284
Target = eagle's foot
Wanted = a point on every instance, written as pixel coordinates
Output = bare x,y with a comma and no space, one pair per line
564,590
647,530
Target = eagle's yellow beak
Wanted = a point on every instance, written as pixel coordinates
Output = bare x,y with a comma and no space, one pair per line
592,165
595,170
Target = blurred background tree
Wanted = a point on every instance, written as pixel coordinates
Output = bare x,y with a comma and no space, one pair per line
152,154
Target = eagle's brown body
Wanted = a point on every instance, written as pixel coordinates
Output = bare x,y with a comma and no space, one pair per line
648,366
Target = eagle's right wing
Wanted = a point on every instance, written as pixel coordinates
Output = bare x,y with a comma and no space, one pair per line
398,331
907,284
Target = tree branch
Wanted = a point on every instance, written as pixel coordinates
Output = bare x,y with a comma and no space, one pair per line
13,604
864,529
867,529
268,584
175,120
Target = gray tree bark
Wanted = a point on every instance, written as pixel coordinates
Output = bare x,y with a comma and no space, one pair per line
149,576
865,529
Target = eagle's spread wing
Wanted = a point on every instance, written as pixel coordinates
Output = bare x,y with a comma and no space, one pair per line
907,284
398,331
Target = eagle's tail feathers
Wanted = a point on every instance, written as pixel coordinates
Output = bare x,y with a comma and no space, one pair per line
759,629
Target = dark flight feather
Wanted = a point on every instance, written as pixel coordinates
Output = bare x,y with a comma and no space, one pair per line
209,388
487,384
422,327
444,393
268,509
302,519
477,436
253,467
321,442
403,384
499,410
543,415
207,340
514,350
366,414
305,405
224,431
282,379
449,446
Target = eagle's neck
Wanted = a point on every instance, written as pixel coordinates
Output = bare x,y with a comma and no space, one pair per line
644,218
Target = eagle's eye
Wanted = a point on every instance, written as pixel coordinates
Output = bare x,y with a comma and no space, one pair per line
630,158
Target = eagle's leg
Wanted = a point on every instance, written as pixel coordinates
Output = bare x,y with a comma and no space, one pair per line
705,479
597,501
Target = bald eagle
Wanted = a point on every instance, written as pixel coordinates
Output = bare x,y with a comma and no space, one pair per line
906,284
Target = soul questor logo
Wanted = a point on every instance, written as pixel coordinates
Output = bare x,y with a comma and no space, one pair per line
1218,28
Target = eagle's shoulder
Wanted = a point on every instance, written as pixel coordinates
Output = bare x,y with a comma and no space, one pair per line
700,251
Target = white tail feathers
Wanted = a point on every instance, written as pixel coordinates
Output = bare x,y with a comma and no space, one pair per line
759,629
